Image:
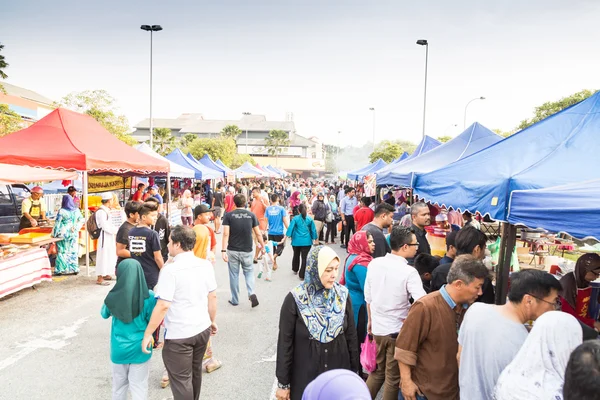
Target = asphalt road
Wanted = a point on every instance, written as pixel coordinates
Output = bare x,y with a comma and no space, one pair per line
56,345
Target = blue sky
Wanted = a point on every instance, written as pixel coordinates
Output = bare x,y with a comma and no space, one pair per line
325,61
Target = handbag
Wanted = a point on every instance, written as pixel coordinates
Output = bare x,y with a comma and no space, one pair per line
368,354
52,249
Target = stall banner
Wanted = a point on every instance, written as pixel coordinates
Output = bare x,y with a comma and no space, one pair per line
230,178
117,217
370,185
101,183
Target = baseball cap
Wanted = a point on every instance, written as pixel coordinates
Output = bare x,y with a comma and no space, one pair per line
202,209
37,189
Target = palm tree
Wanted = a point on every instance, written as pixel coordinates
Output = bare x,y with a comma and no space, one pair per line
3,64
276,141
164,142
231,131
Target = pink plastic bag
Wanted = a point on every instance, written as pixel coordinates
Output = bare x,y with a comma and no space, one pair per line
368,354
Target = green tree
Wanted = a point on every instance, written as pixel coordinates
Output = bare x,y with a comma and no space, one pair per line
552,107
276,141
3,64
101,106
239,159
231,132
10,121
187,139
387,151
217,148
444,139
163,141
502,133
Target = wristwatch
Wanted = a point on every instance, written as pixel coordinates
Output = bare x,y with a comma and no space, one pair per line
284,387
223,251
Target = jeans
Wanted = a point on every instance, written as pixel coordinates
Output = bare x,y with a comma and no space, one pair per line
243,260
133,377
296,265
183,361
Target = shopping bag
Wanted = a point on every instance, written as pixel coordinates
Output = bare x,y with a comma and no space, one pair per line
339,226
368,354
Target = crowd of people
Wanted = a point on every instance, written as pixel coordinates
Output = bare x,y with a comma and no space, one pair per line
437,333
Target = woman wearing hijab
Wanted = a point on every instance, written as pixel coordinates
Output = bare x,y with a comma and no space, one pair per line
295,202
316,327
186,205
303,233
361,247
339,384
68,223
538,370
577,292
130,303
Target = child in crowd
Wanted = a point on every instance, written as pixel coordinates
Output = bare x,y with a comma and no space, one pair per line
425,264
266,264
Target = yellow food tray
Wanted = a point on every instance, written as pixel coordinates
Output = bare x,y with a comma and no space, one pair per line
31,237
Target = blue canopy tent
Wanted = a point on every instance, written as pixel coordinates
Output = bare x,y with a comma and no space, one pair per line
427,144
207,172
207,162
178,157
555,151
177,171
572,208
247,170
473,139
367,170
403,157
224,167
273,170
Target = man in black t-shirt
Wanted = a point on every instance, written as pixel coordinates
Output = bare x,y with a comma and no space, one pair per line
384,216
161,226
132,210
240,225
218,205
144,244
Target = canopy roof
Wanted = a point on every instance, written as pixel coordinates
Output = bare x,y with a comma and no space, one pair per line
225,167
367,170
426,144
207,172
557,150
10,174
275,170
177,171
267,172
68,140
206,160
473,139
178,157
247,170
572,208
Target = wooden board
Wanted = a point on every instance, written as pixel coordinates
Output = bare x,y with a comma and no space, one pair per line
30,238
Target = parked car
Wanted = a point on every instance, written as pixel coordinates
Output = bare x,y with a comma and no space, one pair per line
11,197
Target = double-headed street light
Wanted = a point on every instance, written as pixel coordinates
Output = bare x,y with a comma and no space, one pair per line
423,42
151,28
465,118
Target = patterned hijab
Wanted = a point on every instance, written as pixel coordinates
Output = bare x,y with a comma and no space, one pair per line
322,310
538,370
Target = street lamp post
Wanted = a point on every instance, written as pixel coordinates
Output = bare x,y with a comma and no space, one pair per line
373,109
246,113
151,29
465,118
423,42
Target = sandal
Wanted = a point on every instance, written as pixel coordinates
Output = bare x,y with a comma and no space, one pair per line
102,283
215,365
164,382
107,278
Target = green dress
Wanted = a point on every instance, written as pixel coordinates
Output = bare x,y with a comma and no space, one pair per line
67,226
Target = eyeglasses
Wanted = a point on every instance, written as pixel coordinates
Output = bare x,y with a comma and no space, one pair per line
557,304
412,244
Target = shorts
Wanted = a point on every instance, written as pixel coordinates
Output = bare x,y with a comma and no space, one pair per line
218,213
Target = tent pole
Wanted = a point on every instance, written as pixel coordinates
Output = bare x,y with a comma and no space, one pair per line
86,216
168,196
507,246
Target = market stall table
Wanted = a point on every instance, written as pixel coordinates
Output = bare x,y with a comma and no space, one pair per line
25,269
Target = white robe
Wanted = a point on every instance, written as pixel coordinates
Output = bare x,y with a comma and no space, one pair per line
106,254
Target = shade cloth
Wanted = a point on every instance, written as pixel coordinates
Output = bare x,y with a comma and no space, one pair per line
473,139
557,150
68,140
10,174
572,208
177,171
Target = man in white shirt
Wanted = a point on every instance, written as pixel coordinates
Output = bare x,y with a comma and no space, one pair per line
389,286
187,300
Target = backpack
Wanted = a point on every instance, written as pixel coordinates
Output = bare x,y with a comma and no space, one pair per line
92,226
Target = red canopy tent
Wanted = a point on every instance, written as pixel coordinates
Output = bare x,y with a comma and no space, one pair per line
68,140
